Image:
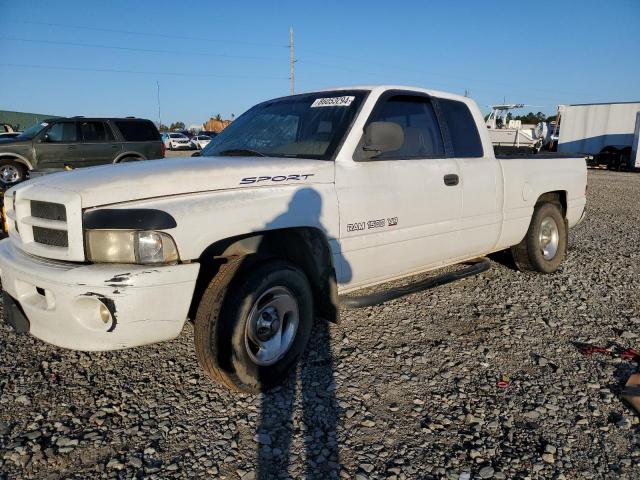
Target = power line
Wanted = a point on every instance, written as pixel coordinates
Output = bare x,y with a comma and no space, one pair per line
464,79
144,50
138,72
271,45
310,50
149,34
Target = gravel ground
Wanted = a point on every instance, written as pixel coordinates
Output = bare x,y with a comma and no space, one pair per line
179,153
406,390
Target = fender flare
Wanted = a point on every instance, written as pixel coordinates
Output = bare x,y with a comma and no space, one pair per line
18,158
314,258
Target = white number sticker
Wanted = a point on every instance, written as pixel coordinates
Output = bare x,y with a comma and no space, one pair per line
333,102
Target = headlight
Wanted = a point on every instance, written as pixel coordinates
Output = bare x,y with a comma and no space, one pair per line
127,246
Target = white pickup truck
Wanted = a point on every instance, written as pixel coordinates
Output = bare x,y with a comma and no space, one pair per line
299,201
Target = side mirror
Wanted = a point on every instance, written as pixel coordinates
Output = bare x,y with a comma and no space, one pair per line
45,138
381,137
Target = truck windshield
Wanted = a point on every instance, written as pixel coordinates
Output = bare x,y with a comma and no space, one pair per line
300,126
32,131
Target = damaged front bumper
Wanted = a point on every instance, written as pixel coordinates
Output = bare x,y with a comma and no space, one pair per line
98,306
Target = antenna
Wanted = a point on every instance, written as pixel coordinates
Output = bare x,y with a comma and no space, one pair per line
159,117
292,61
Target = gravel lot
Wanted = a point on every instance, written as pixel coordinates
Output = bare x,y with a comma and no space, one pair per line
179,153
406,390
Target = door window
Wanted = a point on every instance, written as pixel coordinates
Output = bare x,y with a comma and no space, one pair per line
422,136
63,132
462,129
95,132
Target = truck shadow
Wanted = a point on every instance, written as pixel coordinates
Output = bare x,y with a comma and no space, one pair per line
299,419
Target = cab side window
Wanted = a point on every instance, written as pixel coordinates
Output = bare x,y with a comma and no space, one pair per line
95,132
422,135
62,132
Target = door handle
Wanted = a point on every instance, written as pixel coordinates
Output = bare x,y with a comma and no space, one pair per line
71,147
114,146
451,179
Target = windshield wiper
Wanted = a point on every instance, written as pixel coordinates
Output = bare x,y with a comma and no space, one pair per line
241,152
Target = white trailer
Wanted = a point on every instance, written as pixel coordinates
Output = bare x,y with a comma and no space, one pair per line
635,150
604,131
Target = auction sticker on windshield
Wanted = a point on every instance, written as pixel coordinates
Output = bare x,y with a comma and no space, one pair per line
333,102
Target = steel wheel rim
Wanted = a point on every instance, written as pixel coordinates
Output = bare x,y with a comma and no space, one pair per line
549,238
271,326
9,174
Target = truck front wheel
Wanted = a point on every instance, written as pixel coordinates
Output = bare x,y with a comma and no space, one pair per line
11,172
253,324
545,245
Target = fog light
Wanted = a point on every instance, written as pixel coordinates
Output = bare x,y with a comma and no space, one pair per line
105,315
90,312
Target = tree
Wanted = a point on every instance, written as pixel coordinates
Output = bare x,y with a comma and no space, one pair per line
177,126
218,117
532,118
163,127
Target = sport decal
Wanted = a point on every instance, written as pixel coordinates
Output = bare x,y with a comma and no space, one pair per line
276,178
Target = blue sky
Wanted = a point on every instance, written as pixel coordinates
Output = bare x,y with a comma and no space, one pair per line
223,57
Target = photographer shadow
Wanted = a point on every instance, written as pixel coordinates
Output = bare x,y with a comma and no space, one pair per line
297,431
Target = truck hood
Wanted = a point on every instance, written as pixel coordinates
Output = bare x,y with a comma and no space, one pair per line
130,181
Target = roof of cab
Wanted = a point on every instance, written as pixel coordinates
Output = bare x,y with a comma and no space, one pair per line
82,119
383,88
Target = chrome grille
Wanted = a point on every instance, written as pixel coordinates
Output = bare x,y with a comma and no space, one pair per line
51,237
48,210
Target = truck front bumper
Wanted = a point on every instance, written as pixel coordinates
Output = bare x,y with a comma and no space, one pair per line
98,306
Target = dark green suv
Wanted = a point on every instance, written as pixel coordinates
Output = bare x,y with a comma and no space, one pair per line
60,143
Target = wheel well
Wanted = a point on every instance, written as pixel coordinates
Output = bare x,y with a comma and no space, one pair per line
128,155
609,149
16,159
305,247
558,197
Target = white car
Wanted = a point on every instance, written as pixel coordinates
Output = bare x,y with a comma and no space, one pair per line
300,202
176,141
200,141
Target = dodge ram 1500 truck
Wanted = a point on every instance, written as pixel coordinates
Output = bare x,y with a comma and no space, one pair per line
299,201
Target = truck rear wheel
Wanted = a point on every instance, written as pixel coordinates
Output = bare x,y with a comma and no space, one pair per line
545,245
252,325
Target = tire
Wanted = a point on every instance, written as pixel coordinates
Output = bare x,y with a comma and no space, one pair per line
232,303
129,159
625,161
11,172
531,254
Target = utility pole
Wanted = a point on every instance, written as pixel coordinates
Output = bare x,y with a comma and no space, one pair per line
159,117
292,61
